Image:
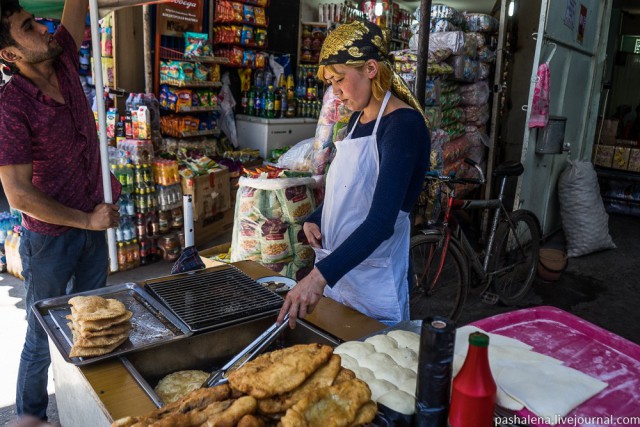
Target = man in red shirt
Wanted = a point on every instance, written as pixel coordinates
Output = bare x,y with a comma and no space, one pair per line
50,170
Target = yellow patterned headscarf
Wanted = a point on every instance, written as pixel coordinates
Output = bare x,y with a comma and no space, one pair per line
354,44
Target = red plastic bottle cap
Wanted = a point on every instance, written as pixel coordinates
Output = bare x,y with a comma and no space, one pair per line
479,339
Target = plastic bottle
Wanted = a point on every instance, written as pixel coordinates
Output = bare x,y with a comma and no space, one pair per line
144,251
251,102
270,97
277,103
473,393
134,248
122,257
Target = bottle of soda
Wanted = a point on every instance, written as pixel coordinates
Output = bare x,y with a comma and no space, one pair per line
257,103
473,393
144,251
134,248
128,126
141,226
270,97
251,102
277,103
122,257
312,91
244,102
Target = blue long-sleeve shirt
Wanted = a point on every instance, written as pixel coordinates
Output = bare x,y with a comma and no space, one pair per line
403,147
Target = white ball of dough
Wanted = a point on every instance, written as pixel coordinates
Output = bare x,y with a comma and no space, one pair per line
348,362
379,387
364,374
395,374
377,362
406,339
356,349
399,401
409,386
404,357
382,343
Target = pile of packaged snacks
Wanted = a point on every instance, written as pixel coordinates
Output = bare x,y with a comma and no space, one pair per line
178,125
268,223
175,99
240,13
178,73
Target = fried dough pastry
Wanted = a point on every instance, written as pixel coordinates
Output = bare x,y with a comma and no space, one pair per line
98,341
366,413
113,330
100,325
280,371
251,421
195,401
77,351
229,417
323,377
344,375
96,308
335,406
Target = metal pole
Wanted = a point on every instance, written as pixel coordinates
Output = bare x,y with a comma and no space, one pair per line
146,37
423,50
102,126
187,206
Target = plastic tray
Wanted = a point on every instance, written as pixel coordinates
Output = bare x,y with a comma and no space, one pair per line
582,346
152,324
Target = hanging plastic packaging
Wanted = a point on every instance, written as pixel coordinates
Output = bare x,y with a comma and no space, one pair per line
227,103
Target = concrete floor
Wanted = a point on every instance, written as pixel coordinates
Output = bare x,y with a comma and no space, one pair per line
601,288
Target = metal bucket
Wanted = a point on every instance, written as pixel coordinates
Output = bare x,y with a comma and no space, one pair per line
551,138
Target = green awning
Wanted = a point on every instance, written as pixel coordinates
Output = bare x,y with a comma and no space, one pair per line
44,8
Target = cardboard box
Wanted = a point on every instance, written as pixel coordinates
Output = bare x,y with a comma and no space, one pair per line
211,193
634,160
620,157
207,229
603,156
609,128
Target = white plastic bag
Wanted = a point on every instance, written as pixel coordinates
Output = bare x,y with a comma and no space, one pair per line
298,157
227,120
584,220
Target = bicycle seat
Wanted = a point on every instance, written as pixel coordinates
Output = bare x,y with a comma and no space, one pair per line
511,168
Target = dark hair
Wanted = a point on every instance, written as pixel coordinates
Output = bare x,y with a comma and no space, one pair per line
7,8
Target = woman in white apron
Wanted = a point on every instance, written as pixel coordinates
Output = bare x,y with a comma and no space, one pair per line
361,233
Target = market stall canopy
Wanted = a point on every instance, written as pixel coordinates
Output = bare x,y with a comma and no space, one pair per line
53,8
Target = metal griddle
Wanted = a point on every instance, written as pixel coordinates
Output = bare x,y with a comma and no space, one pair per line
209,299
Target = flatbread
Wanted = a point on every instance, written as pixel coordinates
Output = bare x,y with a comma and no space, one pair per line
99,325
77,351
334,406
101,341
344,375
366,413
96,308
120,328
279,371
323,377
179,384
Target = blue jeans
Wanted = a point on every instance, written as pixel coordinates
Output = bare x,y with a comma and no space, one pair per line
78,258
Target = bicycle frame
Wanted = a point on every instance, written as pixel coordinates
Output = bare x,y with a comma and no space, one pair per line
495,205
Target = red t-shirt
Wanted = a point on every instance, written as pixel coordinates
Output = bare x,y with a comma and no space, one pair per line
59,140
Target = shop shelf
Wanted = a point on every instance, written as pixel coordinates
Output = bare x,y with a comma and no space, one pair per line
176,55
180,83
253,24
197,109
213,132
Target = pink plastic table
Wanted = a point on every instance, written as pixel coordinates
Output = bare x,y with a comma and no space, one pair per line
585,347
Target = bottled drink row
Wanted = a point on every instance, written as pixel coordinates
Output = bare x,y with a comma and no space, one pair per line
287,99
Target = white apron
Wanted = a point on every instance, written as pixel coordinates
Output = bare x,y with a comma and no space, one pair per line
376,287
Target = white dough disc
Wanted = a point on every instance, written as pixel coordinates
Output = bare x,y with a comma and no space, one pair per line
348,362
395,374
379,387
364,374
356,349
409,386
382,343
404,357
406,339
399,401
377,362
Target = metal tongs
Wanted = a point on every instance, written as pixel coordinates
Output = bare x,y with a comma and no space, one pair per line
220,376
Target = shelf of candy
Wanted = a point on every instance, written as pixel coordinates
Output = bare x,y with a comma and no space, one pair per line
241,35
183,126
311,38
182,100
233,12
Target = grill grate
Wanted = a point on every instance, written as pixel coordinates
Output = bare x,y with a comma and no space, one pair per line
214,298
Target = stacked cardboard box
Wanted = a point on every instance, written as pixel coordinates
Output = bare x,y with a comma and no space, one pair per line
611,152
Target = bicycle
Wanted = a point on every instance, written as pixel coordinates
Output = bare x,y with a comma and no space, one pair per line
444,261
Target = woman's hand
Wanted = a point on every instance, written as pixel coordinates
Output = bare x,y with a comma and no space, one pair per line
303,298
312,231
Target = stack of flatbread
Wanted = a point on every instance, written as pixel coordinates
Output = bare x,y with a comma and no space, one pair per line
98,325
298,386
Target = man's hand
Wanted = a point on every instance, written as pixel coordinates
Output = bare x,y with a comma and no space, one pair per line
303,298
314,236
103,216
74,16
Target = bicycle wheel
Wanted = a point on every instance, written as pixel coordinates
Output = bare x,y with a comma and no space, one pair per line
447,296
514,257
